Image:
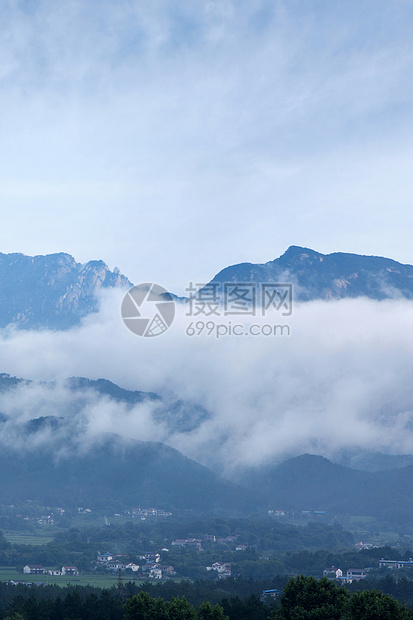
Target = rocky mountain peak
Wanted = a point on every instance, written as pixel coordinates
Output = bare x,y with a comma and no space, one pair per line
52,290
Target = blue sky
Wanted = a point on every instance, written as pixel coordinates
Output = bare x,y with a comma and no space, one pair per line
175,138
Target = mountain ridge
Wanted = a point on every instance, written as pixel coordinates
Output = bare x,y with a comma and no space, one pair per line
312,482
327,276
53,291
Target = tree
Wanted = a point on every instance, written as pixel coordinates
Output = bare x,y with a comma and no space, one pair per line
179,609
207,612
251,608
144,607
371,605
306,598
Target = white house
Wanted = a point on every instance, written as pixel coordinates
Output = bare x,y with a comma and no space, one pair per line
34,569
155,573
333,573
355,574
166,569
70,570
132,566
115,565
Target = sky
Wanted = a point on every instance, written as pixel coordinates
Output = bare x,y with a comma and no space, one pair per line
172,139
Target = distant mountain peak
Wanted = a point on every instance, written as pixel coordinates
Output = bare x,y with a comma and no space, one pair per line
296,255
51,290
297,250
328,276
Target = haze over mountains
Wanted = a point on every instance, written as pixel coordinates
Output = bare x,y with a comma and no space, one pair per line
340,387
56,460
56,292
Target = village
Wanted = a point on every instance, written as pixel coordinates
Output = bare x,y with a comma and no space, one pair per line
148,565
153,544
153,565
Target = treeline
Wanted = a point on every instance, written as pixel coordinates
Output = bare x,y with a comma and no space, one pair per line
306,598
50,554
303,598
314,562
397,586
88,603
261,533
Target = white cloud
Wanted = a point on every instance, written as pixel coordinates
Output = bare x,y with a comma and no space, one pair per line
340,380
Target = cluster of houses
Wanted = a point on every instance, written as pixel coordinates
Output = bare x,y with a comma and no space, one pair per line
38,569
196,543
46,520
222,568
352,574
150,568
396,563
189,543
145,513
363,545
302,513
356,574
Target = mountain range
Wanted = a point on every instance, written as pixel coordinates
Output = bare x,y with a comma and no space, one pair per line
177,415
115,473
53,461
56,292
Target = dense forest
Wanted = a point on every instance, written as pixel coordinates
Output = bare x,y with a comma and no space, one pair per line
303,598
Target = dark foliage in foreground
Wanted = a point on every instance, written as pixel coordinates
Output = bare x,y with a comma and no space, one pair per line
303,598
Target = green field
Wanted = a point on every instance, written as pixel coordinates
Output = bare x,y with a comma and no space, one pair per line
23,538
8,573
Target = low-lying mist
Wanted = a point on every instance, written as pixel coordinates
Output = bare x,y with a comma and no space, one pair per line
341,380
